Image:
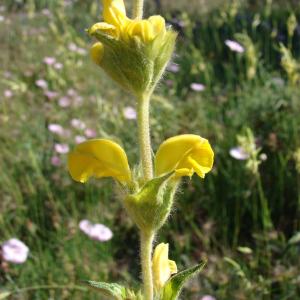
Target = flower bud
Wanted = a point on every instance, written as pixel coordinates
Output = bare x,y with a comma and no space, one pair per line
97,51
162,267
106,28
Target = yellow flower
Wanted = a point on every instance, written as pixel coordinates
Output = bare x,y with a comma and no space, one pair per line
162,267
99,158
136,51
114,12
184,154
118,25
145,30
97,51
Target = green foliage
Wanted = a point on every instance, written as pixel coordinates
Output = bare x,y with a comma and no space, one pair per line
112,290
174,285
151,205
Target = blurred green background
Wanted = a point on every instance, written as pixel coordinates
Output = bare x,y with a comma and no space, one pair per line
244,217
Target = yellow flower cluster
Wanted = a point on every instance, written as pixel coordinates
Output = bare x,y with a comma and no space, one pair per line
183,154
118,26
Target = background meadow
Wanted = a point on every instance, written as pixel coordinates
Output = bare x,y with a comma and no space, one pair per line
234,79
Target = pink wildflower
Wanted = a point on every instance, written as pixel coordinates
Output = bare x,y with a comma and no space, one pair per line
64,102
56,128
58,66
172,67
129,113
41,83
49,60
80,139
78,124
234,46
8,94
239,153
14,251
61,148
97,232
90,133
55,161
197,87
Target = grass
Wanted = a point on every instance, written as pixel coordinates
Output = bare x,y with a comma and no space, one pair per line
220,218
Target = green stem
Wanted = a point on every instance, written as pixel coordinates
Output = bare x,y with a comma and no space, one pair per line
146,261
49,287
266,217
138,8
144,137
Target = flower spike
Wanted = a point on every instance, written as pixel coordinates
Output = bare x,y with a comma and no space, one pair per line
137,51
99,158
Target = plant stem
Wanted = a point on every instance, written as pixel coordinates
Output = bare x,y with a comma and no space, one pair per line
49,287
266,217
146,261
138,8
144,136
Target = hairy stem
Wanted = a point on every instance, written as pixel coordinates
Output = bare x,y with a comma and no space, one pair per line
146,261
138,8
144,136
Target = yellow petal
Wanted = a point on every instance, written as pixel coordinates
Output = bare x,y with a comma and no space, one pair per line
184,154
173,267
97,51
99,158
145,30
142,29
114,12
158,24
162,267
104,28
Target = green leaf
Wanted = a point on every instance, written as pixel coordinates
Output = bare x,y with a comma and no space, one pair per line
295,239
245,250
151,205
4,294
236,267
112,290
174,285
